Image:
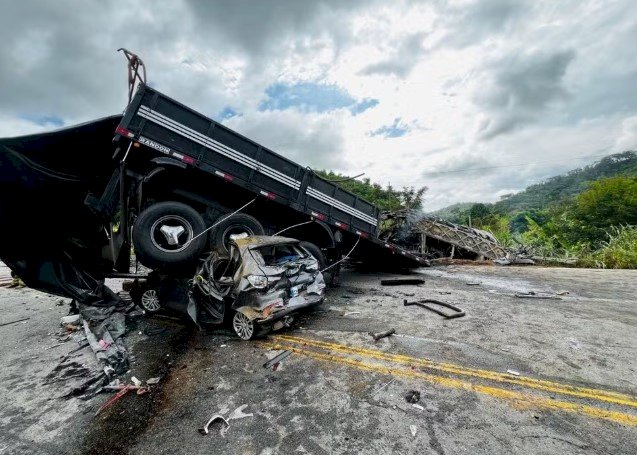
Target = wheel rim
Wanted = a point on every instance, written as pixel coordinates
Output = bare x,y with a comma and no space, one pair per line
243,326
150,300
171,233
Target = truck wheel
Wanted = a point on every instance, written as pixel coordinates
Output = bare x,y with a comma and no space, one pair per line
239,223
320,257
163,235
316,252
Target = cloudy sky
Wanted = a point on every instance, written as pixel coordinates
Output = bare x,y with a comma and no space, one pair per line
472,98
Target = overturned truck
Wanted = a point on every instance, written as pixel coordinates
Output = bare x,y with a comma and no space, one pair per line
172,185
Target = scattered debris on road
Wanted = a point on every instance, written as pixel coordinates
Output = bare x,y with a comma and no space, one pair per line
387,384
402,281
459,312
14,322
533,295
274,362
204,430
514,261
413,396
234,415
122,390
239,414
72,319
378,336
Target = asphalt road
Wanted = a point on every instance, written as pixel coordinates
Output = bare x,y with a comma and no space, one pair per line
341,392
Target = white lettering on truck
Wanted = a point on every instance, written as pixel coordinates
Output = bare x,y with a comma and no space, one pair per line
155,145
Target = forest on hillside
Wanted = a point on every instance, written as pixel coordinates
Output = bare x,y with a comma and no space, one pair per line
589,213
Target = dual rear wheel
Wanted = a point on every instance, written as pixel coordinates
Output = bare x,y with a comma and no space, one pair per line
170,235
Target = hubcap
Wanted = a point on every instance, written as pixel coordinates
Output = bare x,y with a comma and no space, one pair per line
236,229
171,233
243,326
150,300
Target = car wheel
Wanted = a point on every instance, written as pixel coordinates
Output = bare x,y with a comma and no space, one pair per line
239,223
164,235
150,301
243,326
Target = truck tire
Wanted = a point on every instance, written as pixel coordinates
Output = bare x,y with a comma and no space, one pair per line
320,257
163,233
316,252
235,224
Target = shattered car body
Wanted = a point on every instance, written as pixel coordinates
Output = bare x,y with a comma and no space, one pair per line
262,281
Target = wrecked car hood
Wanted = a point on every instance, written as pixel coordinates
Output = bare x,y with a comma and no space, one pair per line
290,285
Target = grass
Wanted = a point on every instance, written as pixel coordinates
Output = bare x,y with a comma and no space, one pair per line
618,252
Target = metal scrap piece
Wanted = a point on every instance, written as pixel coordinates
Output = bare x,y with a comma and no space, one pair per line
14,322
459,312
239,414
386,333
204,430
536,296
276,359
402,281
351,313
383,386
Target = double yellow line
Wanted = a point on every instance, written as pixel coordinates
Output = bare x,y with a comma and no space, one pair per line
393,365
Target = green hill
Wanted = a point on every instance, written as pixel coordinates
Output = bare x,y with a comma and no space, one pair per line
561,187
454,213
554,190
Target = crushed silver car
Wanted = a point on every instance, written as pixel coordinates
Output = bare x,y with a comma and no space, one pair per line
262,282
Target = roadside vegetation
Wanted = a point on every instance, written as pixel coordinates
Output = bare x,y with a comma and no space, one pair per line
388,198
588,215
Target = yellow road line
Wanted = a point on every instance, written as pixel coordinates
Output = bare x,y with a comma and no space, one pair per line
517,397
548,386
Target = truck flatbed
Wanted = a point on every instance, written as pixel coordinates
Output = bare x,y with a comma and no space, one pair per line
159,122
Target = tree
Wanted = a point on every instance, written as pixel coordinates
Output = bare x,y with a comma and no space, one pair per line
387,199
607,202
479,211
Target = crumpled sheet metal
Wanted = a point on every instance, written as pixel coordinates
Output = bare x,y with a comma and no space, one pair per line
261,305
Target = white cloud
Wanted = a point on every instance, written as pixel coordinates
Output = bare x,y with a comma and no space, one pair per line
480,83
627,139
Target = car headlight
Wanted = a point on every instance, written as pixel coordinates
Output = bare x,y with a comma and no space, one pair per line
258,281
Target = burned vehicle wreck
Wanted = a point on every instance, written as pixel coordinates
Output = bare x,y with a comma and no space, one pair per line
257,286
